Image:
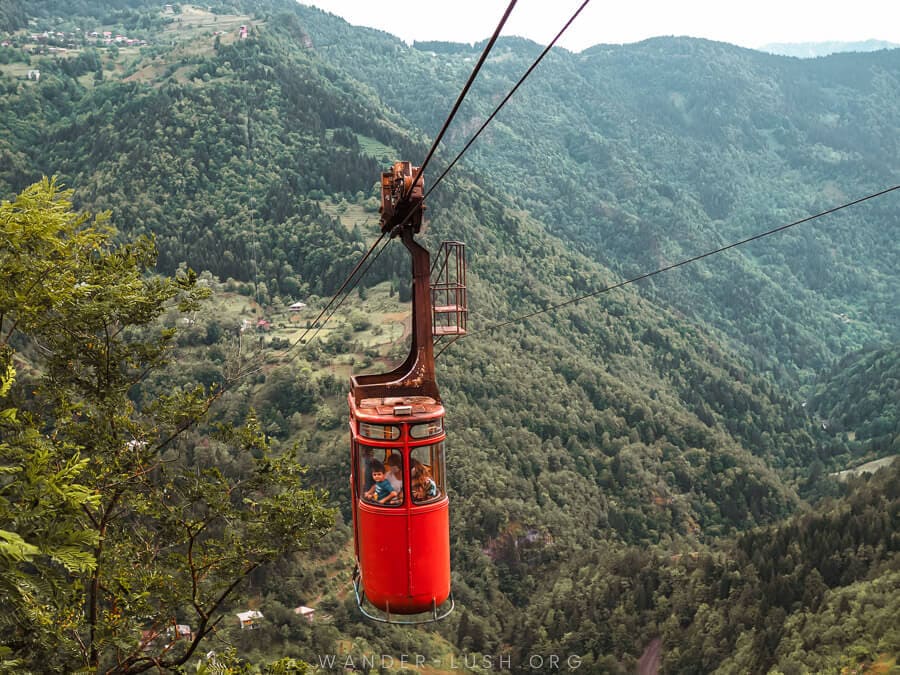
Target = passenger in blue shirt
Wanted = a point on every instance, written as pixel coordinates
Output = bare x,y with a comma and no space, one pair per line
382,491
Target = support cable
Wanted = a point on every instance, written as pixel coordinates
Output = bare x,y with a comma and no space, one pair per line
508,96
237,378
315,322
349,290
682,263
343,286
229,384
421,169
462,95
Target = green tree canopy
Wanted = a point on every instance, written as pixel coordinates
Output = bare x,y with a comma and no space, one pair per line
101,491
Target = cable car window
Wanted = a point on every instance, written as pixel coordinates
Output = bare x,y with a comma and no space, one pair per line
426,471
381,475
427,430
380,431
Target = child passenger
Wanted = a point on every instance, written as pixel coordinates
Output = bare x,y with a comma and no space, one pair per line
423,486
381,491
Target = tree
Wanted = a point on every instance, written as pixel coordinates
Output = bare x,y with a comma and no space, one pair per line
42,542
42,539
153,540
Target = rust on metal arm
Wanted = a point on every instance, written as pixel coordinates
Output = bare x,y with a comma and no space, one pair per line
401,214
402,203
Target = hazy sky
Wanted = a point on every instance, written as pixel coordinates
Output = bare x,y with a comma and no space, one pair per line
748,24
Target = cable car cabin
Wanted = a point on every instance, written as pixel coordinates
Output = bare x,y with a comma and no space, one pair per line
398,481
402,523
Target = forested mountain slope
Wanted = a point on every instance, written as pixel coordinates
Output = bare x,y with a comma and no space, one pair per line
619,424
642,155
814,594
858,402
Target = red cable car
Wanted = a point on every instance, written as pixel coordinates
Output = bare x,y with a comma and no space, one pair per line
401,512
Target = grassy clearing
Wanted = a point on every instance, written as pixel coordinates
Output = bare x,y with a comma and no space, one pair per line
376,149
350,215
387,320
194,22
373,332
868,467
16,70
193,32
149,72
371,147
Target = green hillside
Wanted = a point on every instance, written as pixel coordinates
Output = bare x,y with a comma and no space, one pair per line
858,402
638,466
646,154
794,598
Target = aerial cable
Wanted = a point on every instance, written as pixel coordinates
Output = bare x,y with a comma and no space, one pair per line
334,297
237,378
229,384
462,95
347,281
248,135
421,168
349,290
682,263
301,339
508,96
444,348
337,293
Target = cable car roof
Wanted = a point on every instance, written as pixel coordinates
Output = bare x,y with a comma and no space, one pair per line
399,406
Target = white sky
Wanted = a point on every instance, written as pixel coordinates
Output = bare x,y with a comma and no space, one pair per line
751,23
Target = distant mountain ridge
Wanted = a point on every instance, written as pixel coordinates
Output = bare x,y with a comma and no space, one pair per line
811,50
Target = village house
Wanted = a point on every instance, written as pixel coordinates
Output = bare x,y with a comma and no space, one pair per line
179,631
307,613
250,620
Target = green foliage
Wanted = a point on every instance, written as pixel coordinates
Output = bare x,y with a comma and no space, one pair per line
852,627
42,541
810,595
857,402
142,539
280,125
12,15
663,163
45,246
